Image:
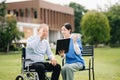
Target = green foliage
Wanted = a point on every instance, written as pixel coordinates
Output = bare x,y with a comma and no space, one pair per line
2,24
78,10
113,15
11,32
95,28
8,29
3,8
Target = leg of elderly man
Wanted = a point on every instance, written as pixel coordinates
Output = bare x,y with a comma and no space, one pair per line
41,67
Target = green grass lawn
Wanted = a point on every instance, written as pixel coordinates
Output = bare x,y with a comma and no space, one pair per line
107,65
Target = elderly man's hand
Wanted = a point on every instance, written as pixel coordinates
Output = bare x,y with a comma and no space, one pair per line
53,61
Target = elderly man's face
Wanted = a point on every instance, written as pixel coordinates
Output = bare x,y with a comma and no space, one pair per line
43,32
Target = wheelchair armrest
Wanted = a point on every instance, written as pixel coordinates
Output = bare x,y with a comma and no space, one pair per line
47,59
29,60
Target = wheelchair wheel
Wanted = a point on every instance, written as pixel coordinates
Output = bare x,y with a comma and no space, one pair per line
19,77
47,78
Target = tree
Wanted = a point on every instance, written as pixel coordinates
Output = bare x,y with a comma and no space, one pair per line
78,11
2,14
8,30
3,8
95,28
2,23
12,32
113,15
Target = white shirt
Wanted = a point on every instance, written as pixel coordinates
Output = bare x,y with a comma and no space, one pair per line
36,50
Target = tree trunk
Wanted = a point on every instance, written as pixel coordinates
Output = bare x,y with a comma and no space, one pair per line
8,48
96,45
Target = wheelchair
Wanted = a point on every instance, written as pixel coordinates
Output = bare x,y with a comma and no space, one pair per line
26,72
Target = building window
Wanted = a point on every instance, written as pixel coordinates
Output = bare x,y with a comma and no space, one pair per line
8,11
35,13
21,13
15,12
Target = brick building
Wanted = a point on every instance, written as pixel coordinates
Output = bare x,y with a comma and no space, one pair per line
31,13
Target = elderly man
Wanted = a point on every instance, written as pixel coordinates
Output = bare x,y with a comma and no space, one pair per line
37,47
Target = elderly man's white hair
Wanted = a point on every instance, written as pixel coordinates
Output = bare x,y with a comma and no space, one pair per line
43,25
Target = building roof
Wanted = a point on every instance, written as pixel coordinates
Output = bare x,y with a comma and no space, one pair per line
40,3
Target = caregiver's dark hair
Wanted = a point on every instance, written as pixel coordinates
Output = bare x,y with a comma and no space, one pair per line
68,26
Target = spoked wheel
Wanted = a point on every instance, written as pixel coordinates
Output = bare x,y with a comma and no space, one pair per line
19,77
47,78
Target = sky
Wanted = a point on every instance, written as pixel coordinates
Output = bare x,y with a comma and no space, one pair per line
88,4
